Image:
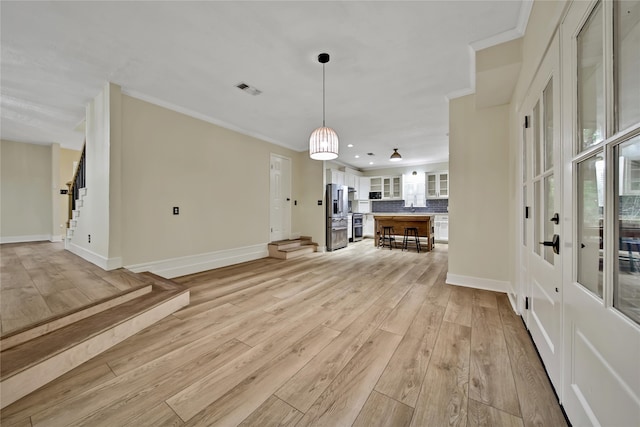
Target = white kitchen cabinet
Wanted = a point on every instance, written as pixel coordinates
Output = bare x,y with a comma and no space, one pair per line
392,187
335,176
368,224
375,184
437,185
365,187
351,180
441,228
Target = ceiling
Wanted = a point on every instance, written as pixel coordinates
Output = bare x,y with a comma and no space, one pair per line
393,67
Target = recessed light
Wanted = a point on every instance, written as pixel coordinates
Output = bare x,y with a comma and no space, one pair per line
357,156
350,145
370,163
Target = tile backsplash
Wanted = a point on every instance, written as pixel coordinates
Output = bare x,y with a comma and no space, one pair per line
433,206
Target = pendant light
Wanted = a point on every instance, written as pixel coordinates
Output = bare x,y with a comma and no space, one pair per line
323,142
395,156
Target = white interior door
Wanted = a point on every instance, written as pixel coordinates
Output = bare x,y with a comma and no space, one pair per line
601,86
543,293
280,198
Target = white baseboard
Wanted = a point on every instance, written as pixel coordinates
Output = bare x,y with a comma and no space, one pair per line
479,283
94,258
56,238
175,267
25,239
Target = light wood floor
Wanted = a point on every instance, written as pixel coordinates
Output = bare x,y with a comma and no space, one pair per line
41,280
357,337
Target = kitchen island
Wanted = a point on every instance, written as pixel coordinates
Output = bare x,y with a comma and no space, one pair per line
424,224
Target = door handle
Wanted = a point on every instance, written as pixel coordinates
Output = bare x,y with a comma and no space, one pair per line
554,243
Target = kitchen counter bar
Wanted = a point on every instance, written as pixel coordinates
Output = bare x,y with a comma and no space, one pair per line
424,224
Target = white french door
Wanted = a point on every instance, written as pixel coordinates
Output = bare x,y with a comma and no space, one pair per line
280,197
600,41
542,229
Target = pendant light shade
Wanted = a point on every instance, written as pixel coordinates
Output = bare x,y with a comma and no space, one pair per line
395,156
323,142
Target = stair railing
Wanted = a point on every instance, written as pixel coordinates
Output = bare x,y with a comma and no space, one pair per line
76,183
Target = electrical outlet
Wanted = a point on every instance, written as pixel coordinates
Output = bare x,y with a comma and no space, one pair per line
176,210
319,202
89,238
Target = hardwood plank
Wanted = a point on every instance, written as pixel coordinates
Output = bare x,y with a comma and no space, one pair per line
382,411
484,298
491,378
342,401
214,385
403,376
220,324
443,396
56,392
538,403
403,314
439,293
307,385
481,415
110,399
141,389
159,416
66,300
273,413
459,306
257,386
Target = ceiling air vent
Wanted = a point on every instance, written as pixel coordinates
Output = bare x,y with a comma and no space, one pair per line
249,89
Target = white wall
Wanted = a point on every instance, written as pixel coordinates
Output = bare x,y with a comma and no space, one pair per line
479,201
97,219
26,191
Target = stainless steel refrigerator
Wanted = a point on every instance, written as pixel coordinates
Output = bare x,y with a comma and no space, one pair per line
337,221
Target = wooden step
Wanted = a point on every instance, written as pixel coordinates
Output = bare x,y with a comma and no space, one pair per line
32,364
292,248
51,324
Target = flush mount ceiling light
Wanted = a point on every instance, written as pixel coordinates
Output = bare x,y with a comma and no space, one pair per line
323,142
395,156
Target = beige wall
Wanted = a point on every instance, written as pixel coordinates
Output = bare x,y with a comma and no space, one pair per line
479,184
217,177
26,191
308,219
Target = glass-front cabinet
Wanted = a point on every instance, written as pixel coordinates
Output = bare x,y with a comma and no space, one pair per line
437,185
392,187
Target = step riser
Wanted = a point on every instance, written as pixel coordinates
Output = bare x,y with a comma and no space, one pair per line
295,254
24,382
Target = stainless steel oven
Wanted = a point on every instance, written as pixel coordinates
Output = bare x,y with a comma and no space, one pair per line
357,223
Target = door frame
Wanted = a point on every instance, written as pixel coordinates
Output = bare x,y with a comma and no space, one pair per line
549,69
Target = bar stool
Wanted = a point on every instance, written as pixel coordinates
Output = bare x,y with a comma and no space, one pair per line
411,233
387,236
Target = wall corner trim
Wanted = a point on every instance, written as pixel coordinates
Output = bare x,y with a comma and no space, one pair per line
181,266
479,283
